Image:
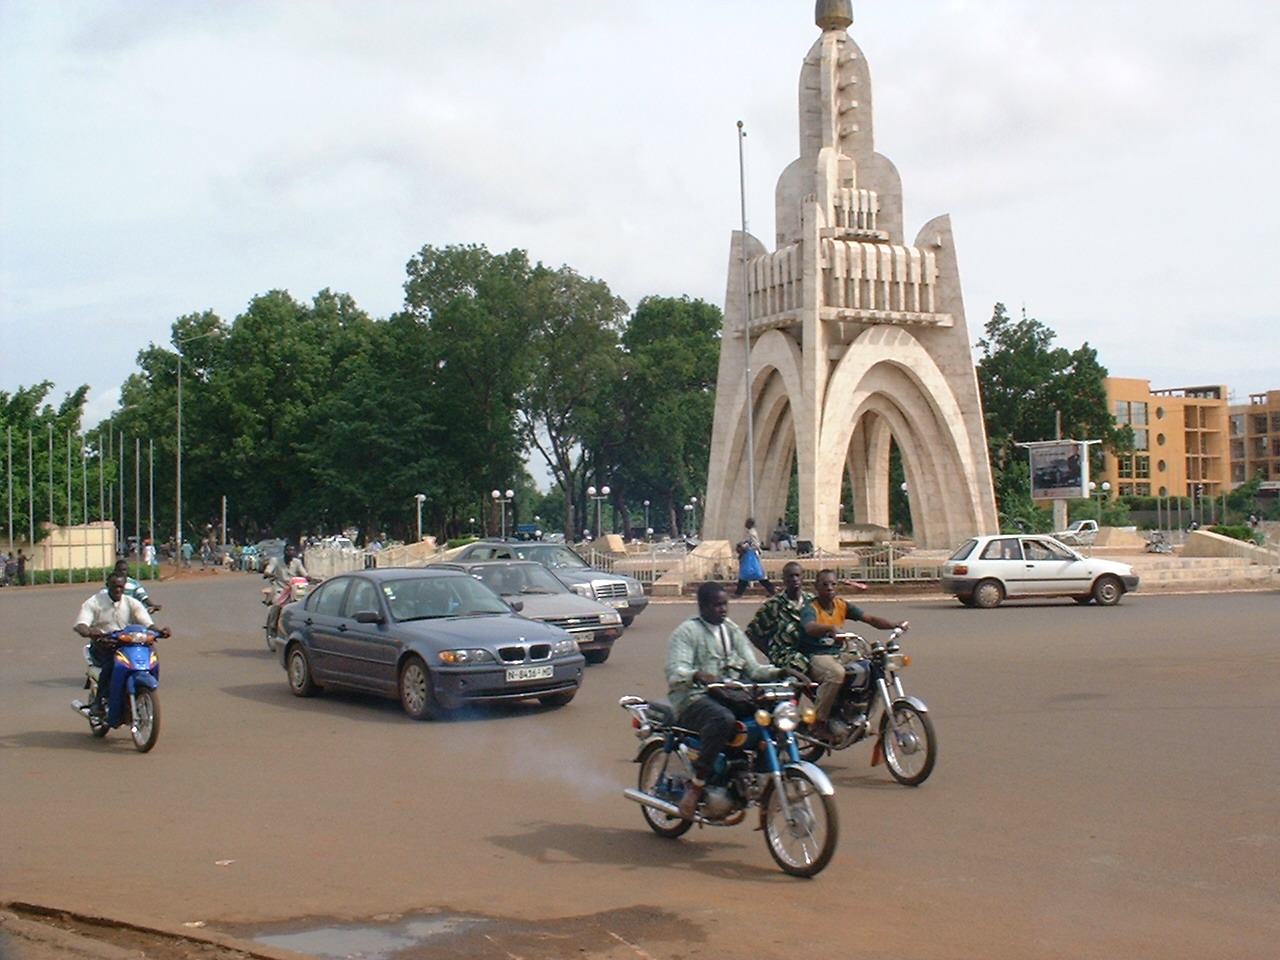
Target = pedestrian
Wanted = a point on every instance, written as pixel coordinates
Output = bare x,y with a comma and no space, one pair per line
149,555
22,568
749,567
187,551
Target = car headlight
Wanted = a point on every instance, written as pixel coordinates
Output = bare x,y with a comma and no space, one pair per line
635,588
786,716
612,618
459,657
563,648
583,590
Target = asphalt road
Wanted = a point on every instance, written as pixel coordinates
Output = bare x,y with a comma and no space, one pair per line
1108,785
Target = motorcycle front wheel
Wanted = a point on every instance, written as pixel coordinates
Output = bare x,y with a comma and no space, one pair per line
664,775
802,831
909,743
146,722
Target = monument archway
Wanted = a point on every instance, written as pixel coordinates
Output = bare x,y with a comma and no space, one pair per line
844,341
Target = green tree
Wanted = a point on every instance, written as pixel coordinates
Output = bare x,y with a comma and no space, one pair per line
655,423
473,308
575,327
1026,384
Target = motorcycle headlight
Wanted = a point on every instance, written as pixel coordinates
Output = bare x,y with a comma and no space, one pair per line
786,716
896,661
763,717
456,658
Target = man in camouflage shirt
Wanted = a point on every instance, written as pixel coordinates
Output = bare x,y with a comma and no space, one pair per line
776,626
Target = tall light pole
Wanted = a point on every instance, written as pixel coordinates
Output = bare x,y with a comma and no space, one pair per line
419,497
746,329
502,502
598,498
178,343
693,510
1099,493
688,526
648,530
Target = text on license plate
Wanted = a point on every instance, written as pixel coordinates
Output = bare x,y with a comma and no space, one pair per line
516,674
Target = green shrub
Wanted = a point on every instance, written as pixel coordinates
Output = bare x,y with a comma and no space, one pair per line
1237,531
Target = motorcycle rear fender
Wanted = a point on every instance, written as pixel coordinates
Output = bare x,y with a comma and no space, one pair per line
646,746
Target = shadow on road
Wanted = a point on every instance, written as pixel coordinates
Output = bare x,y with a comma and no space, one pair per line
567,843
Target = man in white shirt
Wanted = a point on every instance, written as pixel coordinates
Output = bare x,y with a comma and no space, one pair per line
107,610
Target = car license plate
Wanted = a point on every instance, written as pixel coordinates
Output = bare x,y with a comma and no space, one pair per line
516,674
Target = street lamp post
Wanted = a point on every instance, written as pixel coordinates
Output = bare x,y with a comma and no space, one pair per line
598,498
648,530
502,502
420,497
1099,493
693,510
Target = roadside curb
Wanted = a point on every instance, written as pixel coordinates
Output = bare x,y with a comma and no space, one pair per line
23,921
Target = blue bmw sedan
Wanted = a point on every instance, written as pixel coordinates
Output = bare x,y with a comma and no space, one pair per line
435,639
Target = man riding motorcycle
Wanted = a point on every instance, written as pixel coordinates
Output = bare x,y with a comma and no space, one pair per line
280,571
108,610
705,649
132,588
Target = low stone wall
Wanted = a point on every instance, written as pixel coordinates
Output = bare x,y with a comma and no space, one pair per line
1204,543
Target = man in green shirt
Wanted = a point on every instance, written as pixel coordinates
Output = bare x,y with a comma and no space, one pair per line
775,629
705,649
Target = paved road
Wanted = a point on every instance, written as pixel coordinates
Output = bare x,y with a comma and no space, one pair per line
1107,786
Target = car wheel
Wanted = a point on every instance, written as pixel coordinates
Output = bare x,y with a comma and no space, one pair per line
988,594
301,683
966,599
416,696
1107,591
596,656
562,699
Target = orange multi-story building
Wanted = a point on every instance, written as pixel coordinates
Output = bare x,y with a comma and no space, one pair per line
1255,440
1180,441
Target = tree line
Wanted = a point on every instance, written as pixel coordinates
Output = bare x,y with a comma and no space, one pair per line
312,418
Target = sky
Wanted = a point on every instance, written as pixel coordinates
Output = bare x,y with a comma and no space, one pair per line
1108,166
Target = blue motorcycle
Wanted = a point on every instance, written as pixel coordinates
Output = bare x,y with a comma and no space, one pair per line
760,767
132,699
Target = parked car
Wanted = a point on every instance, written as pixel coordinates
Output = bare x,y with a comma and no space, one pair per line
538,594
987,570
1081,533
436,639
624,594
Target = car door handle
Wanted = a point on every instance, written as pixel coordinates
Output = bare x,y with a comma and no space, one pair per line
342,627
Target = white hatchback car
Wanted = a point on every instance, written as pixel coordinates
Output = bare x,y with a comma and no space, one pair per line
986,570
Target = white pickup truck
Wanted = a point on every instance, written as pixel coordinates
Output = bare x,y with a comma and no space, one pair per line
1081,533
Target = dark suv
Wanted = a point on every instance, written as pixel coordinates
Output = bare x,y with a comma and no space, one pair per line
624,594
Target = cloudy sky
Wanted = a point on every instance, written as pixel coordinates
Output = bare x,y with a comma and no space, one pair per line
1109,166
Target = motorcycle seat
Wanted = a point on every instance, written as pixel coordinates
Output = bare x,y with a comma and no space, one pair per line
662,712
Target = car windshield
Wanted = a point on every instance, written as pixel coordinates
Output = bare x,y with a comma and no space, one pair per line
515,579
552,556
431,598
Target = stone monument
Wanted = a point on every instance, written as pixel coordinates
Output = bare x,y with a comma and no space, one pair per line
849,339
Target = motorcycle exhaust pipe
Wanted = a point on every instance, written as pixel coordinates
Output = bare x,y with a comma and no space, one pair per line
644,799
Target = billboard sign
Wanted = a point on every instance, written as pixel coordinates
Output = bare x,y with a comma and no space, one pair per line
1059,471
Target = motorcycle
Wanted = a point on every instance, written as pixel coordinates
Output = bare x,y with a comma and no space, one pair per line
295,589
1156,543
872,698
132,698
760,767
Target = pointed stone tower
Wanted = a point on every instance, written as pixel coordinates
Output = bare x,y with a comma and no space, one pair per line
852,339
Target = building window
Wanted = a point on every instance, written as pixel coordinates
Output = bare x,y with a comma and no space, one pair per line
1124,466
1161,466
1159,413
1138,413
1143,489
1126,489
1140,440
1142,467
1159,439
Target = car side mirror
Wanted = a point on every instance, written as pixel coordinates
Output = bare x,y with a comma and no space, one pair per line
368,616
516,605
